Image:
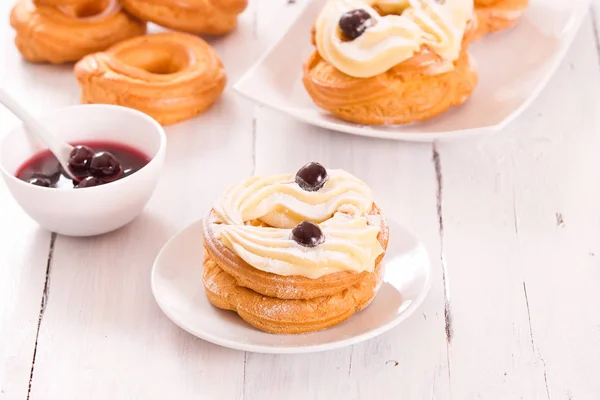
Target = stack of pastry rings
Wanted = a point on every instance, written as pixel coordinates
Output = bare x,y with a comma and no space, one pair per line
286,304
169,76
60,31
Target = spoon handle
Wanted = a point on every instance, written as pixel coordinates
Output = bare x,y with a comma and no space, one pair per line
59,148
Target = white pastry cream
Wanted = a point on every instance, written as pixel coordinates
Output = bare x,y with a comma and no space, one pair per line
279,202
255,219
388,40
350,244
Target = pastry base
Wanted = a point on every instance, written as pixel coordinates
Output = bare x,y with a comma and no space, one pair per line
274,315
404,94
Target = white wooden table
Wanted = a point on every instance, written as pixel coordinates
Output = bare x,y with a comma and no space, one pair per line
512,223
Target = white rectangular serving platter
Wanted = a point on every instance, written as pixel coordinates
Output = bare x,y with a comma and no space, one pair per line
514,66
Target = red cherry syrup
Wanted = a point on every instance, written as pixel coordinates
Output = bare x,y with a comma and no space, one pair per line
43,168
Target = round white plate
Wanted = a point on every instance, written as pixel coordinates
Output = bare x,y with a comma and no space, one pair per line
179,292
514,66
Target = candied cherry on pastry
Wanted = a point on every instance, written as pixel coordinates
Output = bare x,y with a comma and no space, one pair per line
354,23
307,234
311,177
67,32
207,17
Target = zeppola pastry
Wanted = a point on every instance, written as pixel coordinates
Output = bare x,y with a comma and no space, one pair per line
68,32
211,17
169,76
391,61
496,15
295,254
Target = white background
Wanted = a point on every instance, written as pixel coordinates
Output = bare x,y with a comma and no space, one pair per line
512,223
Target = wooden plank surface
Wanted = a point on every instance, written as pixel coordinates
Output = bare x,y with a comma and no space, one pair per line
512,224
520,226
101,320
23,248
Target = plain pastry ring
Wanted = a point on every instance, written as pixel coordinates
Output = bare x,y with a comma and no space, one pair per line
211,17
68,33
169,76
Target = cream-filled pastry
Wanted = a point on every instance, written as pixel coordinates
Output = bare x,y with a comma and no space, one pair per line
278,245
388,40
391,61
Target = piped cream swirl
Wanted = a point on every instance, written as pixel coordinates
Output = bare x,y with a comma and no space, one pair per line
392,39
255,218
350,245
278,201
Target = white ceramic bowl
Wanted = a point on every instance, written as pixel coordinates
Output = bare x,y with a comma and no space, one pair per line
95,210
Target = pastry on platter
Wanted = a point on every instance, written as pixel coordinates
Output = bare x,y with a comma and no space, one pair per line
496,15
210,17
67,33
169,76
391,61
295,253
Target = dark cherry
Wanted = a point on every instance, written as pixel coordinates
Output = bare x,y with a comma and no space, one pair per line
104,165
45,167
311,177
79,160
40,181
307,234
89,182
354,23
